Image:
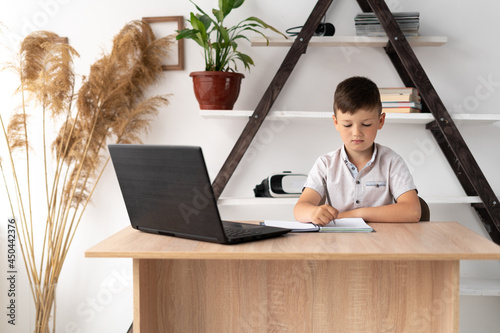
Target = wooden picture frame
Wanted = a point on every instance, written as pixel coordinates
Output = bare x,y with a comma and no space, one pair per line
62,40
164,26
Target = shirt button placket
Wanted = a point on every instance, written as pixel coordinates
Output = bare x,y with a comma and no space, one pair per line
358,192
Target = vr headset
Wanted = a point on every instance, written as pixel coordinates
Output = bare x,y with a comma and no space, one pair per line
279,185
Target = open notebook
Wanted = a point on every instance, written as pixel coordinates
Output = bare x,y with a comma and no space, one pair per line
339,225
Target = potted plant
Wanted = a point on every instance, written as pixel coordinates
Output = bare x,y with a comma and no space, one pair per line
217,88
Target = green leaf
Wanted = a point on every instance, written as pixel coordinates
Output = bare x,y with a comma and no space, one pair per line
196,23
206,20
245,59
238,3
201,32
199,9
218,15
226,6
186,33
243,37
223,35
264,24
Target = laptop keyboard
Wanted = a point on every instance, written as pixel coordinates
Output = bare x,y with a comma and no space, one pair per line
240,232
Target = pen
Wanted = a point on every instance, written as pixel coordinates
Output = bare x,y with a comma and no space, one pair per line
327,196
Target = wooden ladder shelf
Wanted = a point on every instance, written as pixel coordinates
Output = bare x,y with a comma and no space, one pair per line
412,74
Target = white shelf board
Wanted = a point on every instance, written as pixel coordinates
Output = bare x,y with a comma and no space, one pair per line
360,41
271,114
396,118
453,200
229,201
479,287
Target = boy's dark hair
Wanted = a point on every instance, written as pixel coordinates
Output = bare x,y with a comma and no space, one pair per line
356,93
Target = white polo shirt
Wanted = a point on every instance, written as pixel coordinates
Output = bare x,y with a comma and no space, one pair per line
379,183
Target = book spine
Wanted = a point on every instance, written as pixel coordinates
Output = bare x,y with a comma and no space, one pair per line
400,110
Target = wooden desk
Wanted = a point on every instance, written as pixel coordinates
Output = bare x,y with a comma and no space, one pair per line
402,278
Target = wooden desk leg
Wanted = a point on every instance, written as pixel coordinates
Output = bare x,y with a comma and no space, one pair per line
295,296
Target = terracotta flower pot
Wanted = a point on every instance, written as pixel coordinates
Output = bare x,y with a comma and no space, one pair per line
216,90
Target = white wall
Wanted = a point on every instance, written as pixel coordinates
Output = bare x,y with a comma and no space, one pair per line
95,295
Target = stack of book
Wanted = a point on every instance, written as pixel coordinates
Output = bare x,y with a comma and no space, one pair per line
401,100
367,24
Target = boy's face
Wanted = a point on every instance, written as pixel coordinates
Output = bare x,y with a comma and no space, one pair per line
358,130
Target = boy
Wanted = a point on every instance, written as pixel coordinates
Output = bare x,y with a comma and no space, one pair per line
362,178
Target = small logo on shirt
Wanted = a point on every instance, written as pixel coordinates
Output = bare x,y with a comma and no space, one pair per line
375,183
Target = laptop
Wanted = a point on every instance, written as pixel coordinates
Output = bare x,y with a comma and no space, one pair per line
167,191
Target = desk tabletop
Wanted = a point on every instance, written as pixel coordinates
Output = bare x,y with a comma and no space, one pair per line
391,241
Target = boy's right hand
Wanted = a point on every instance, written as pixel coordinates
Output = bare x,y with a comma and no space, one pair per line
324,214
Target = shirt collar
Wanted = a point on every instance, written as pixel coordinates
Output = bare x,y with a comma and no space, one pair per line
343,154
374,155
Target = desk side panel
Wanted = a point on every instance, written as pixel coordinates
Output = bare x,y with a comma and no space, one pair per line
297,296
145,295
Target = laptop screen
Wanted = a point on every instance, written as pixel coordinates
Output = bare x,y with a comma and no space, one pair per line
167,189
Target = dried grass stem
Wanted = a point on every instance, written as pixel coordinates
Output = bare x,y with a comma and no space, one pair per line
110,107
